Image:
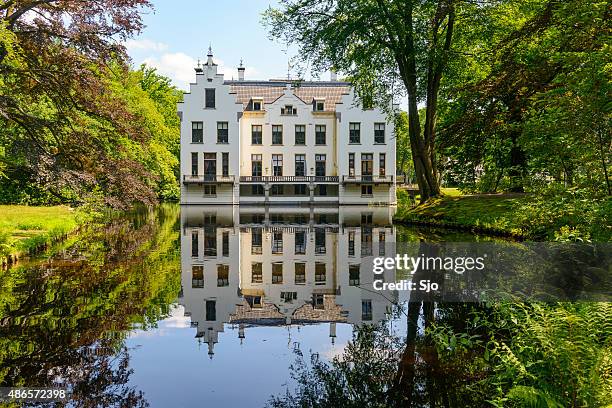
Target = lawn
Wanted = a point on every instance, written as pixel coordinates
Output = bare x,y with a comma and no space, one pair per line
24,228
568,216
483,213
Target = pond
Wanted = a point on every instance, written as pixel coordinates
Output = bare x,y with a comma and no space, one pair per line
193,305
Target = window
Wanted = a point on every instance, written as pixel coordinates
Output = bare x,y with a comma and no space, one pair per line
288,297
210,219
300,273
225,164
222,132
366,190
382,163
320,165
225,243
277,189
210,241
256,165
277,165
195,244
354,275
257,104
210,166
210,190
257,190
366,241
351,164
300,243
322,190
210,98
211,310
277,273
320,275
320,134
319,105
382,239
379,133
300,165
277,242
366,218
222,275
351,243
194,164
197,132
288,110
367,165
277,134
256,241
318,301
366,310
197,276
254,301
300,134
256,134
299,189
256,272
320,241
355,132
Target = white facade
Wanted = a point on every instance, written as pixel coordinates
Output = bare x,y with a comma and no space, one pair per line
317,145
283,266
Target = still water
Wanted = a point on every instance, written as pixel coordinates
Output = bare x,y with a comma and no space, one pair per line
197,306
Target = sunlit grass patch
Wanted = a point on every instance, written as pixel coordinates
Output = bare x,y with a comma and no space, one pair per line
25,228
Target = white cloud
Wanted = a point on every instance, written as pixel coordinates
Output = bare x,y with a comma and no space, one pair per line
145,45
180,68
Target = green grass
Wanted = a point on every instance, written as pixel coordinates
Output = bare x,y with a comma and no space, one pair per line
23,229
493,214
565,216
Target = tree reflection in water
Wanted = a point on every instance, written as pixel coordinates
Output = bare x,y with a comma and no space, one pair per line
509,353
383,367
63,321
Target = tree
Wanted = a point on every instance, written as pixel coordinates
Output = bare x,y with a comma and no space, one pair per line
540,110
65,129
385,47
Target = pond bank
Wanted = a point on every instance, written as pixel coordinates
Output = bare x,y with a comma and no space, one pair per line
29,229
488,214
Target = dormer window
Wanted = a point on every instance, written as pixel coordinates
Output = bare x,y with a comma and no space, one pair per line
319,105
257,104
288,110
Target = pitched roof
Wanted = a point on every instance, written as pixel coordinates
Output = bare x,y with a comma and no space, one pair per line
271,90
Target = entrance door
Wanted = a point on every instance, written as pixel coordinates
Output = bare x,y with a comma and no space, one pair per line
367,165
210,166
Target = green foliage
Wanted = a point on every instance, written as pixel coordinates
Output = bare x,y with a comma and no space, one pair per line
535,111
549,355
75,117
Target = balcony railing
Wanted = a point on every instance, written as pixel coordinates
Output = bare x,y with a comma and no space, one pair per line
208,179
375,179
289,179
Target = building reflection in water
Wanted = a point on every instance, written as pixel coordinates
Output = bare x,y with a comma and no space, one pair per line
276,266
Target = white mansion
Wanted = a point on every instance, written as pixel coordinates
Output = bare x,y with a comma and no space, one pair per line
282,141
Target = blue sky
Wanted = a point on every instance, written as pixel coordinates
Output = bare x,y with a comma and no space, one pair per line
177,33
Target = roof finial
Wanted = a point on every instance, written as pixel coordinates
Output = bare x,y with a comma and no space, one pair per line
241,63
209,60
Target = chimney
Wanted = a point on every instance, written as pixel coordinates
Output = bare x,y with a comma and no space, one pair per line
333,76
241,72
